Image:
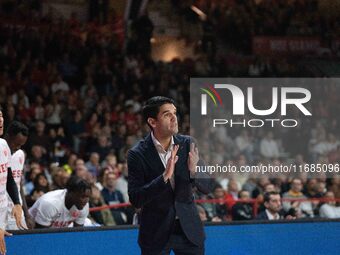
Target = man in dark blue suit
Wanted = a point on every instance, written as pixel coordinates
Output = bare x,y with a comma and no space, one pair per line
272,203
161,177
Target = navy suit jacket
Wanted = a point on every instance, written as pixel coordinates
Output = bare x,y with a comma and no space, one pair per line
262,216
159,203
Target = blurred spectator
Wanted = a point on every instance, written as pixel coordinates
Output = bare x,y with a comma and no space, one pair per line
41,183
102,146
60,178
217,210
232,193
34,171
122,184
303,208
269,147
93,165
242,210
103,217
59,85
329,209
39,137
112,196
272,202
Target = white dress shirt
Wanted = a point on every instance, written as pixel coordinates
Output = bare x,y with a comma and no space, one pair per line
164,155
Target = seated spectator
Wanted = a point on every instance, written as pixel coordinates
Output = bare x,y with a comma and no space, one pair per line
329,209
60,208
203,215
122,184
303,209
242,210
269,147
40,182
310,190
220,207
60,178
35,170
93,165
60,84
104,216
102,146
232,193
216,210
272,202
33,197
112,196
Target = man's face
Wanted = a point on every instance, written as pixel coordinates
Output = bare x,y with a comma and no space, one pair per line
269,188
244,195
17,142
166,122
274,204
1,124
296,185
330,195
219,193
111,180
80,199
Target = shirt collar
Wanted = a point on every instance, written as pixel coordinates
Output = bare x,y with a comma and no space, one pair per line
271,216
159,146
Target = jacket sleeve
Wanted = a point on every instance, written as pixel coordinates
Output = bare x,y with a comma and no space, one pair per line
140,192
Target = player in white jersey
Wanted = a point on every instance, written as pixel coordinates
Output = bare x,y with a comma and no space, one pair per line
59,208
7,183
16,136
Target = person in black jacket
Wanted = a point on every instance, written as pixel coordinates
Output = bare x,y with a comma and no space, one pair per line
242,210
161,175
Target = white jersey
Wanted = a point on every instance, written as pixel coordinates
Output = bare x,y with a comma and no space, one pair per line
17,167
50,211
5,159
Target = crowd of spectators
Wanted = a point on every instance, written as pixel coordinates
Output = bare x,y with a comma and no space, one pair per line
82,96
237,21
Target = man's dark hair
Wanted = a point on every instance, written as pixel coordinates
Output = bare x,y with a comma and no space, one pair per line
152,106
77,184
217,186
266,196
16,128
296,178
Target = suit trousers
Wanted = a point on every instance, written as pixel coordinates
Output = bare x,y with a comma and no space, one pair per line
178,243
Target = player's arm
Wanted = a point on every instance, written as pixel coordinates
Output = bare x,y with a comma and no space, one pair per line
12,188
29,220
12,191
3,233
